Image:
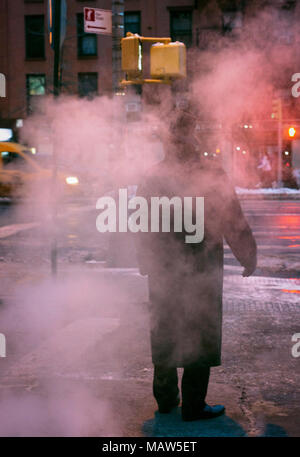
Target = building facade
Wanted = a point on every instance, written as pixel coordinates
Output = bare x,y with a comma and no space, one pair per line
26,58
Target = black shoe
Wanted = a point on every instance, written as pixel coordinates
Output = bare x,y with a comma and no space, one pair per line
166,407
208,412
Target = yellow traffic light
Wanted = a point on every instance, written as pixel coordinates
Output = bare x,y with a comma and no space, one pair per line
132,56
168,60
292,132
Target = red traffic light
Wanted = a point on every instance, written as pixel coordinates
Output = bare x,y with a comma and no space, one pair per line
292,132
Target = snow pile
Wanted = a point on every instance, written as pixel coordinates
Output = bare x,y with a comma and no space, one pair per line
280,190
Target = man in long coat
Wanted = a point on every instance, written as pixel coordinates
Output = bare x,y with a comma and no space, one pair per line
186,279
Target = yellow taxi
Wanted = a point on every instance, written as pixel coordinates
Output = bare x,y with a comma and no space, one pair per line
23,171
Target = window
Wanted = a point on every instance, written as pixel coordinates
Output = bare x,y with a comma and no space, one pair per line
87,84
285,24
15,161
132,22
181,26
35,87
6,134
232,20
35,37
289,4
86,42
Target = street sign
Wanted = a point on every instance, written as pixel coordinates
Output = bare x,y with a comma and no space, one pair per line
133,107
97,21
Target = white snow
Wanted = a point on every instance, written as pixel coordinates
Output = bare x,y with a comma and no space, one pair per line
280,190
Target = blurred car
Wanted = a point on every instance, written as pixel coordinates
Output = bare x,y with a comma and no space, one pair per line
23,171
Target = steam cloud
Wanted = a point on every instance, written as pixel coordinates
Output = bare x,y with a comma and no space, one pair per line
231,80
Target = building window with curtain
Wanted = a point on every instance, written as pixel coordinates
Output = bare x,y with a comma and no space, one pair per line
86,42
181,26
36,84
35,87
132,22
232,20
87,84
35,37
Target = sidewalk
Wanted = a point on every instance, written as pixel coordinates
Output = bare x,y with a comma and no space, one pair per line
283,193
79,358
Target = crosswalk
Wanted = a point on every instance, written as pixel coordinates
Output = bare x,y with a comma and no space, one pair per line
276,228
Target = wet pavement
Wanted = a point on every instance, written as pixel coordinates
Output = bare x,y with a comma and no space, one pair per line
78,354
28,230
96,359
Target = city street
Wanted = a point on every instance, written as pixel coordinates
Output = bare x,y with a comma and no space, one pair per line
177,104
102,386
275,224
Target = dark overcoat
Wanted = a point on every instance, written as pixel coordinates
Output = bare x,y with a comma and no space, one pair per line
186,279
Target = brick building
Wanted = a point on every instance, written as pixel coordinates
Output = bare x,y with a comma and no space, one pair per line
26,58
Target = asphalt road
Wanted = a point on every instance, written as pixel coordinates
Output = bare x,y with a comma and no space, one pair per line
89,358
275,224
106,383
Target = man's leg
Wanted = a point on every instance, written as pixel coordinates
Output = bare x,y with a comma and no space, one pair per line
165,388
194,389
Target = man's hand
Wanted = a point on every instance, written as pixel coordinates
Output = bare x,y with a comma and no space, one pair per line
250,269
143,271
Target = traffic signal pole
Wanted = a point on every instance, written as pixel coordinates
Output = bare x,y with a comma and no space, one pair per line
56,37
56,91
115,254
117,35
279,168
277,114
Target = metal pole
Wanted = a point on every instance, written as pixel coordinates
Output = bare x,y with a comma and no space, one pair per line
120,244
56,91
56,37
117,35
279,152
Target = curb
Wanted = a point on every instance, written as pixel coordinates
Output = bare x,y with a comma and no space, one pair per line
269,196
